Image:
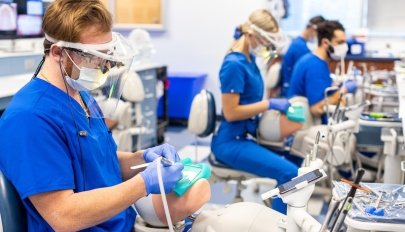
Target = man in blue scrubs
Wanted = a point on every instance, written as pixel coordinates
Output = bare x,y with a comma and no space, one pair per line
55,147
311,75
296,50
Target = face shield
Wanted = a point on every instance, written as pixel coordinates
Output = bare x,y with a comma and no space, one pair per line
98,72
275,39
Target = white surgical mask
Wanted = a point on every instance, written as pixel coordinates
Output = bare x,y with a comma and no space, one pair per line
312,44
339,51
258,51
89,79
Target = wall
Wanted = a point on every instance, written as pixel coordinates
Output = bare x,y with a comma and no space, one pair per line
198,34
386,16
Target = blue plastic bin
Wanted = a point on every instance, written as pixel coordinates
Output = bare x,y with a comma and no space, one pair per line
356,48
182,89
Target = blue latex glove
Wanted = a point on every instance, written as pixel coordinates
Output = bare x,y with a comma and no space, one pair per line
170,175
351,86
279,104
165,150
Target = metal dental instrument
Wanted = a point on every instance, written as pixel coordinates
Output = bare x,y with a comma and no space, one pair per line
315,149
164,161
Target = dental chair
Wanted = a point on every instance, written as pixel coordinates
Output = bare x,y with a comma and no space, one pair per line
12,212
128,115
202,123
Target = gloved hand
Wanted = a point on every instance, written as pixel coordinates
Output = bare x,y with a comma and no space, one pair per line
165,150
170,175
350,86
280,104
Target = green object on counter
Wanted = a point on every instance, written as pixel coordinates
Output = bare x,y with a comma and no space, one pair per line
377,115
191,173
296,113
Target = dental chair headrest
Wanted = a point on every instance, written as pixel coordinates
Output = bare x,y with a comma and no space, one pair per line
133,90
122,113
202,116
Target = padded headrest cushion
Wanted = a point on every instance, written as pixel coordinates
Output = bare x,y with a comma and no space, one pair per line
202,116
122,114
133,90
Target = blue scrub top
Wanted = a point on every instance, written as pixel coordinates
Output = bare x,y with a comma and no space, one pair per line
298,48
41,151
310,78
238,75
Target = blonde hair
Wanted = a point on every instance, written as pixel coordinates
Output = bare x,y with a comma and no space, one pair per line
67,19
262,19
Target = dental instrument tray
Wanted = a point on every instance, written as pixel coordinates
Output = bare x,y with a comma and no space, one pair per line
379,116
191,173
389,198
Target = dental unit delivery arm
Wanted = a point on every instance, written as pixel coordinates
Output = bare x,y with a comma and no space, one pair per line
296,194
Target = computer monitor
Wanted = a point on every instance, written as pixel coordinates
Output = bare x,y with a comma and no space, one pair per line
29,26
35,7
29,18
8,19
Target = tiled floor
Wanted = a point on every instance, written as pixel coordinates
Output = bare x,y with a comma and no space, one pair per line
223,193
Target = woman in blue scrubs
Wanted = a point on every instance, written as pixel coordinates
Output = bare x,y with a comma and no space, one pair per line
55,146
242,101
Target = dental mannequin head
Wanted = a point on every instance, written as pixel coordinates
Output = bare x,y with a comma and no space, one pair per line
331,40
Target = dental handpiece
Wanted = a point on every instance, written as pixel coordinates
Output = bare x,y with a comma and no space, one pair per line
342,216
164,161
352,192
315,149
334,204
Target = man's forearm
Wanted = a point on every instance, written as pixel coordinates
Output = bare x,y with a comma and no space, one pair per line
68,211
128,159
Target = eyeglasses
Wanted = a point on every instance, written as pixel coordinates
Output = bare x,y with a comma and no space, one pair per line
89,60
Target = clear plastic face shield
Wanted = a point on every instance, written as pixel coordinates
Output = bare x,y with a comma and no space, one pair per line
98,72
272,43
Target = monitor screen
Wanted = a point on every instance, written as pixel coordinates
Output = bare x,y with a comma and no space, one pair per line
35,7
29,26
8,20
29,18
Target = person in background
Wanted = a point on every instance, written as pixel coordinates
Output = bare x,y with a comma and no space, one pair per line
300,46
56,149
242,102
311,74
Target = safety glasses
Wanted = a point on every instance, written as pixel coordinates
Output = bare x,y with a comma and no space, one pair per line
91,61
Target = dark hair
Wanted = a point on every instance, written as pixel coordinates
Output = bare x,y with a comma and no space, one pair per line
314,21
327,29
